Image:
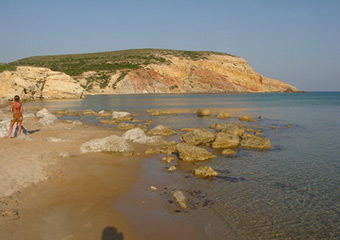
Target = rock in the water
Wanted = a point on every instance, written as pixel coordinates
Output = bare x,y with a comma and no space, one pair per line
134,134
202,112
108,122
109,144
154,112
198,136
171,168
189,152
205,171
233,129
228,152
247,118
125,126
252,141
226,140
258,131
168,159
121,116
104,113
150,151
223,115
153,188
161,130
137,135
180,198
89,112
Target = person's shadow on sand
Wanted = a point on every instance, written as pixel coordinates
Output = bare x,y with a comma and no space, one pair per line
24,131
111,233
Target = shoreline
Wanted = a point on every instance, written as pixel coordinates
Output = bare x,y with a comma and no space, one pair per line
44,195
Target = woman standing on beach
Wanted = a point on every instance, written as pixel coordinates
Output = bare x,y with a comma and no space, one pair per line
17,109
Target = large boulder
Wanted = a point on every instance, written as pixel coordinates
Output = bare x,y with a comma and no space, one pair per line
188,152
205,172
46,118
162,131
226,140
202,112
255,142
112,143
198,136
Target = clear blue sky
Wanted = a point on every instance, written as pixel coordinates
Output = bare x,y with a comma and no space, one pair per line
295,41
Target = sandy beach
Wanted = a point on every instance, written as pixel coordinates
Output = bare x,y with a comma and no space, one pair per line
50,191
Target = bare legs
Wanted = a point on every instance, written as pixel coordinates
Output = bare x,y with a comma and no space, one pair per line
11,129
19,128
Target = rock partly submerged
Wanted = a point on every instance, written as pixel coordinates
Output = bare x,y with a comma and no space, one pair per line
162,131
203,112
226,140
137,135
255,142
188,152
205,172
198,136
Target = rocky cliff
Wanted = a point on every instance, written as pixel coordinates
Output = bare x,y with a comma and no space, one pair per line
136,71
213,74
38,83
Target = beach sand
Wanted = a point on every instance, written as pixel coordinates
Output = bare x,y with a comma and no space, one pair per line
49,190
48,196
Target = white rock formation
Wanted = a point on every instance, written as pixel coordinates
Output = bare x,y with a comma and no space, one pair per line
137,135
47,118
38,83
112,143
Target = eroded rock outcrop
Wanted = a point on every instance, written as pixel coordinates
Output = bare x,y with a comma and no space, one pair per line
38,83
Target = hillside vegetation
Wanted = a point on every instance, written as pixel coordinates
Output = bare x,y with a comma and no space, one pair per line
133,59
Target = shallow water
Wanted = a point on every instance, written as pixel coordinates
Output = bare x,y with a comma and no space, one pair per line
289,192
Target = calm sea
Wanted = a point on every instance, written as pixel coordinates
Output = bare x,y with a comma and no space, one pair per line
289,192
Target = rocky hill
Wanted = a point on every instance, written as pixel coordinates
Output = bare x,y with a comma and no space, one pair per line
133,71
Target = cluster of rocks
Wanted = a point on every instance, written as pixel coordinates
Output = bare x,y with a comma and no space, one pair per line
196,144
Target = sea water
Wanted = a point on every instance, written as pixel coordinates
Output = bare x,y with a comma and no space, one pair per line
289,192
